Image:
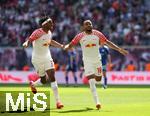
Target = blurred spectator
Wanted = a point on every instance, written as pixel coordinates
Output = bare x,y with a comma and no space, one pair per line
26,68
8,59
130,67
56,65
147,66
21,58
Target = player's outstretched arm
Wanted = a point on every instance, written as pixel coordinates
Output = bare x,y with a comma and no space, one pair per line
56,44
115,47
26,44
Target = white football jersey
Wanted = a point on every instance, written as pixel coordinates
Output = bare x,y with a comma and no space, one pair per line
38,38
90,44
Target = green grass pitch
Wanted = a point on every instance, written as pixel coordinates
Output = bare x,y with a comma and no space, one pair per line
78,101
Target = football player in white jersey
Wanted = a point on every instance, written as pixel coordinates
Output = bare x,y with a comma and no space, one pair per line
90,41
42,61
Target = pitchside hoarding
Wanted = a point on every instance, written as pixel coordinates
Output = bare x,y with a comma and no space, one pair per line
113,77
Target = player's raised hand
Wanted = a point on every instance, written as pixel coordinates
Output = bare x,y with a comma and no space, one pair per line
124,52
25,44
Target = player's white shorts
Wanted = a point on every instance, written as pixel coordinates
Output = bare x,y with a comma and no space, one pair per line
42,67
93,68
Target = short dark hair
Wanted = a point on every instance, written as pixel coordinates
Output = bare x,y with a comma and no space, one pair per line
43,19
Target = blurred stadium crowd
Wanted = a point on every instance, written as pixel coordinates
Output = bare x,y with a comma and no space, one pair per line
124,22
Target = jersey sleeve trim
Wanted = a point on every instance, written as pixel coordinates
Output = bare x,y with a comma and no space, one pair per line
77,38
36,35
102,38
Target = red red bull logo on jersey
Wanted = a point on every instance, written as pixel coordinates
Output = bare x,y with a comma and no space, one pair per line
90,45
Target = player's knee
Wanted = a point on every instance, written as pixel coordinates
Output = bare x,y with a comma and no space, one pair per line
51,75
98,78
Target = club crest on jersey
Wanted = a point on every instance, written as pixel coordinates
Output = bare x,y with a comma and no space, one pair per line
90,45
